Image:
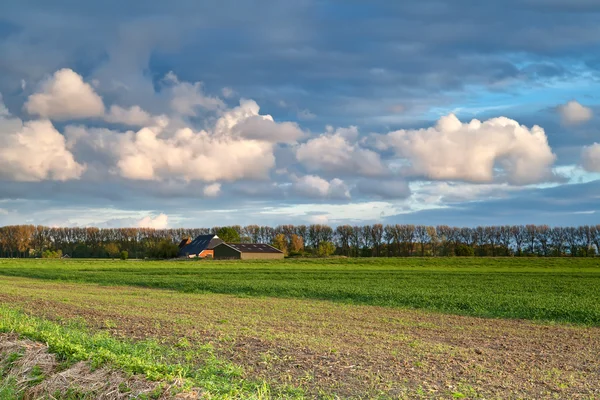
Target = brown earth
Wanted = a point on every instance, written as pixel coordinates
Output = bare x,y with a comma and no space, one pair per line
38,375
337,349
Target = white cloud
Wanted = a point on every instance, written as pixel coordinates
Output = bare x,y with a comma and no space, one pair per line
161,221
574,113
240,146
590,158
212,190
337,152
3,110
334,213
188,97
159,153
427,194
246,122
475,151
314,186
192,155
34,151
65,96
133,116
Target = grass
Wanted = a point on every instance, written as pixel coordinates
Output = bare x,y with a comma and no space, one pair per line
547,289
9,390
197,367
326,348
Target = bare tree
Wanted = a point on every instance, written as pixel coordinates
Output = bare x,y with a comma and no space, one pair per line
518,235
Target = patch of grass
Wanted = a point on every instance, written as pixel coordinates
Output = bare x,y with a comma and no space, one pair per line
9,362
72,342
36,375
544,289
9,390
73,394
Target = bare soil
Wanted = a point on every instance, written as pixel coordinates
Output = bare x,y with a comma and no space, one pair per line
344,350
38,375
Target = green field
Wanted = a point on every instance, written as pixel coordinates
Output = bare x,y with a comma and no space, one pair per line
559,289
308,328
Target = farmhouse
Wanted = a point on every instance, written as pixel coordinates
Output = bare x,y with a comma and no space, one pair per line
246,251
202,246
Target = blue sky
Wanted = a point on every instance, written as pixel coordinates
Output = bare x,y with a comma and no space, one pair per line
144,113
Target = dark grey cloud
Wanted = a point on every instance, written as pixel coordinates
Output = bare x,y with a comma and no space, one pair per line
384,189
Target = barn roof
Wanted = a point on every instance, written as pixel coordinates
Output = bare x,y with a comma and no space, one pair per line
214,243
199,244
253,248
184,242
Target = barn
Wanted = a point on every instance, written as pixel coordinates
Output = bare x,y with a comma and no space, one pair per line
246,251
202,246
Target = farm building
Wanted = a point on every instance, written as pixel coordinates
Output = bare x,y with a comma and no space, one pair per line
202,246
246,251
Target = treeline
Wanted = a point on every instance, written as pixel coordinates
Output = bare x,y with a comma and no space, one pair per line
353,241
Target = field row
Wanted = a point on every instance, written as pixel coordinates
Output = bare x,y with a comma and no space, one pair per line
306,348
559,290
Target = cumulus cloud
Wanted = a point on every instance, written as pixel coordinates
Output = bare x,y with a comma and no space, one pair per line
246,122
240,145
158,153
161,221
315,186
65,96
386,189
188,97
34,151
133,116
475,151
338,152
212,190
192,155
3,110
590,158
574,113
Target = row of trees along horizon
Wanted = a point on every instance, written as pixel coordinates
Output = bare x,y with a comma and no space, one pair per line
308,240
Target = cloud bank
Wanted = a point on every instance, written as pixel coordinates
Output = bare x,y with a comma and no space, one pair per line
499,148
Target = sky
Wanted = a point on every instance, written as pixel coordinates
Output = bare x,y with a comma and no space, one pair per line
199,114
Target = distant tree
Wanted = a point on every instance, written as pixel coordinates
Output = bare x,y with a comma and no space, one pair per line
464,250
518,234
124,255
343,234
112,250
280,242
433,239
325,249
52,254
228,234
423,237
296,244
164,250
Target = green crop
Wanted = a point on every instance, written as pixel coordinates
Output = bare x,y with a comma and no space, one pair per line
547,289
159,362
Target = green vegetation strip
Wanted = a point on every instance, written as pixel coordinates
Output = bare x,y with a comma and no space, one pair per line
193,366
560,289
